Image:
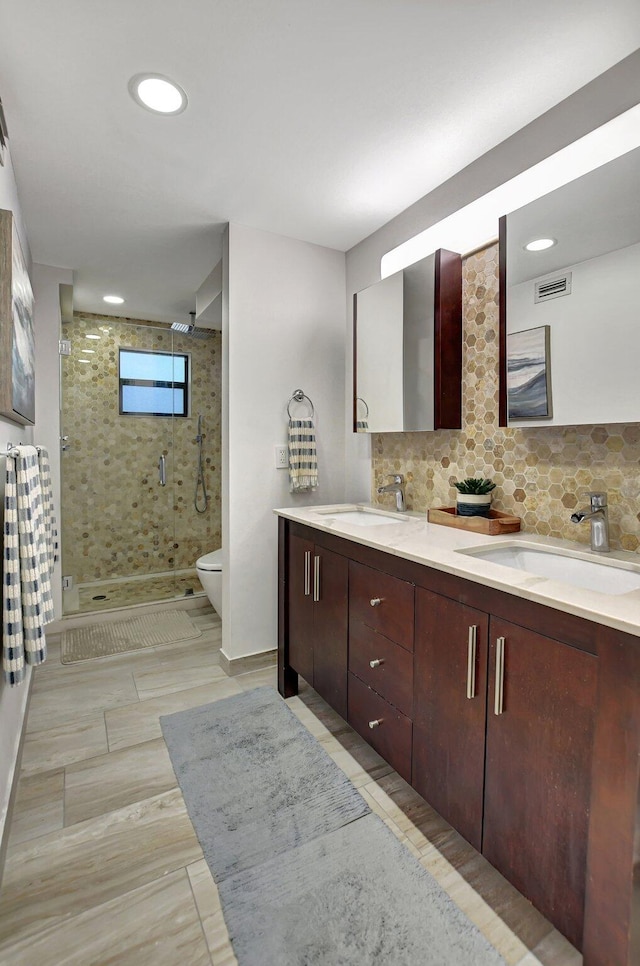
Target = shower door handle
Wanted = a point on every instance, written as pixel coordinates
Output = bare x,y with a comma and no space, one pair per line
162,470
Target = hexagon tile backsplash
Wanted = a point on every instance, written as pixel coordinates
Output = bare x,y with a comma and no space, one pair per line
541,474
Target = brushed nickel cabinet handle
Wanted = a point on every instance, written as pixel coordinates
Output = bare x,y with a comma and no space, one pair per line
375,601
499,697
307,573
316,578
471,661
376,723
376,663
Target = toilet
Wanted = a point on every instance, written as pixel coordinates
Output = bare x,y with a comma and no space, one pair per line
209,569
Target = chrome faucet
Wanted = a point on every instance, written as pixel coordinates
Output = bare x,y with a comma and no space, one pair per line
396,487
598,515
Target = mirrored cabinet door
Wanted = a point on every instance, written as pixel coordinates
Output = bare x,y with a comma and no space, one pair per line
569,316
408,349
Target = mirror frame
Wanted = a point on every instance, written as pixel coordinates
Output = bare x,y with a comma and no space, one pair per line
502,322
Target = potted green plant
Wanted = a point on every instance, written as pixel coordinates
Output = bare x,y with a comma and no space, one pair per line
473,498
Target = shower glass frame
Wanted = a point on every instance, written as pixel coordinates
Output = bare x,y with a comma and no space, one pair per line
118,521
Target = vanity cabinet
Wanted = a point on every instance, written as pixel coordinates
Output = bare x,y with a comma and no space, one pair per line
502,747
450,701
541,709
384,727
519,723
380,686
317,604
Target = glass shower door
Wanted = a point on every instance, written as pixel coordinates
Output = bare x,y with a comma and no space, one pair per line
119,405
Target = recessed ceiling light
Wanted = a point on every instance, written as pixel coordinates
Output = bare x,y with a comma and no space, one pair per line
89,351
113,299
157,93
539,244
92,336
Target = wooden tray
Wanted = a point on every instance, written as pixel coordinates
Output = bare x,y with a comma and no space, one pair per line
493,525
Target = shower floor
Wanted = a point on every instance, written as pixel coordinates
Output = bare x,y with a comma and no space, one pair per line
126,591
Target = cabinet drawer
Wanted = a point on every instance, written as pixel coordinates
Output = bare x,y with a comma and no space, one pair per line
392,677
391,737
382,602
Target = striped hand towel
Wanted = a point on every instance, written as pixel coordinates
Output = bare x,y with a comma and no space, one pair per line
27,602
303,460
50,531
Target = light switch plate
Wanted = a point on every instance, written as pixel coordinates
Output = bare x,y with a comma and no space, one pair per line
282,458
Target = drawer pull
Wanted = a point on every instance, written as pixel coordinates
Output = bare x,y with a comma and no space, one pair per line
377,662
499,697
375,723
375,601
316,579
471,662
307,573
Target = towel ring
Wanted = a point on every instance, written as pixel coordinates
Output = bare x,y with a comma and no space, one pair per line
360,399
299,396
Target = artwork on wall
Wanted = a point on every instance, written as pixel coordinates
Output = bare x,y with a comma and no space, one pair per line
17,350
528,374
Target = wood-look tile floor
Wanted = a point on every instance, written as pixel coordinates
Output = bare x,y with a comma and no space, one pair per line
103,866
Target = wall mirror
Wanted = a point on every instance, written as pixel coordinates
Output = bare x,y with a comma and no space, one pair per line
569,315
408,349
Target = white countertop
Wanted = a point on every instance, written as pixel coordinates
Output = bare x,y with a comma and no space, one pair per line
412,538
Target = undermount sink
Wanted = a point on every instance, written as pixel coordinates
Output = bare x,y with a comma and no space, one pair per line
606,576
364,517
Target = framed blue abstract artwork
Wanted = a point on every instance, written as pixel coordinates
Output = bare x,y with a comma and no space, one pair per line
528,374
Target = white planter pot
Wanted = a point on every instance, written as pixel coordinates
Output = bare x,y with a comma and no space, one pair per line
473,504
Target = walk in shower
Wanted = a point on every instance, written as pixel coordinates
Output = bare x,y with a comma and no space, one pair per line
140,417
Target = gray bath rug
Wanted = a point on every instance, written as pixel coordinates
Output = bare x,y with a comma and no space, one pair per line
307,874
256,783
118,637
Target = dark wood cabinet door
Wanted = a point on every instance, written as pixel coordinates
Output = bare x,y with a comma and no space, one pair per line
449,710
383,602
382,725
330,619
301,607
384,667
538,770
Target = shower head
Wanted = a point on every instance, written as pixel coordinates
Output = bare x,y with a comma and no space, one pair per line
198,333
186,328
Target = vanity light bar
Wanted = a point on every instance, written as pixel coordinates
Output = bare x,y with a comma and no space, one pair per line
477,223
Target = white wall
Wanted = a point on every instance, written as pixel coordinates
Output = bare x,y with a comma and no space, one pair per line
284,330
594,340
12,700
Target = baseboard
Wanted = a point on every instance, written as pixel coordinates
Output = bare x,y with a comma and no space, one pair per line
192,602
252,662
4,834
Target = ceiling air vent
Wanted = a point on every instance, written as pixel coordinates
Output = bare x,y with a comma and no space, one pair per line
552,288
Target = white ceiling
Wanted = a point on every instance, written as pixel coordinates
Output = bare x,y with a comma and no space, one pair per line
318,119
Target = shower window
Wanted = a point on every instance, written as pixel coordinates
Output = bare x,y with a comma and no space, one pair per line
153,383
